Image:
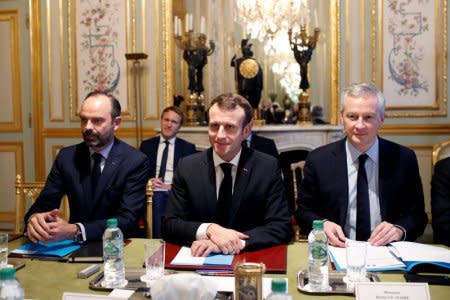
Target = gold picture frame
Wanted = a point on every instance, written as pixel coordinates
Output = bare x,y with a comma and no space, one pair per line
405,37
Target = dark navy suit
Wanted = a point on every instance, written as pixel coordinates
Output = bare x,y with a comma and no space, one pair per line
150,148
259,208
264,145
120,192
324,189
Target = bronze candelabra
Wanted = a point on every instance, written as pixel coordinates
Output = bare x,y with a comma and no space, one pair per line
303,45
195,52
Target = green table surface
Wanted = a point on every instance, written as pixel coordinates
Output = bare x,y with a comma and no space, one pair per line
50,279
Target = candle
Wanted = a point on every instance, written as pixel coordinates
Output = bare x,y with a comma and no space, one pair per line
179,26
186,19
316,19
175,25
202,24
190,22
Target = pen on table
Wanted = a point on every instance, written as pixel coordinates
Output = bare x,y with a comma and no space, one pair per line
215,272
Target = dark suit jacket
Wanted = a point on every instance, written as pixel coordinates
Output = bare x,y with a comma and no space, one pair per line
324,189
259,206
120,193
150,148
264,145
440,202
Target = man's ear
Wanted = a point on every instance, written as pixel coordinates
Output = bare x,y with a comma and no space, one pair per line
116,122
247,130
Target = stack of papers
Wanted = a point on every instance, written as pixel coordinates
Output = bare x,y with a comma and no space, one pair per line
184,257
401,256
56,250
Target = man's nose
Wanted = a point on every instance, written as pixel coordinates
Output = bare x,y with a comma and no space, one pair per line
221,132
360,123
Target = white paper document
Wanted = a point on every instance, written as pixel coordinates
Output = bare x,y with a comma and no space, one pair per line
378,259
410,251
184,257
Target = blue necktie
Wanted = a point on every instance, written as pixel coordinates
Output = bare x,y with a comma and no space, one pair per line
162,167
362,202
225,196
96,171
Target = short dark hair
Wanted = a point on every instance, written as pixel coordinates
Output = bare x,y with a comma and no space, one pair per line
229,101
115,104
176,110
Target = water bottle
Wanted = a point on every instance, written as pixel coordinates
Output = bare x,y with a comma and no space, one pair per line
279,290
114,266
10,288
318,258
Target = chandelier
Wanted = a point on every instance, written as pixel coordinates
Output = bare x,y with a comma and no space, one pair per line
264,18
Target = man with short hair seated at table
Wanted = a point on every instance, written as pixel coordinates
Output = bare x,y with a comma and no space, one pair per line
103,177
364,187
228,198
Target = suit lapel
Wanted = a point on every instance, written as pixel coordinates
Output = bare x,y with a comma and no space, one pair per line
341,179
83,163
384,169
208,173
110,168
154,150
242,177
176,153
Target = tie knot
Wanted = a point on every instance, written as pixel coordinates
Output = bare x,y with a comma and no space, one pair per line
166,142
362,158
226,168
97,157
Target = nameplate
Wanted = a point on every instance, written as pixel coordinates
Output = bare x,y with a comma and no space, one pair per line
392,291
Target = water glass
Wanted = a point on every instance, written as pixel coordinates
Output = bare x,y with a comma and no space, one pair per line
154,256
356,252
3,249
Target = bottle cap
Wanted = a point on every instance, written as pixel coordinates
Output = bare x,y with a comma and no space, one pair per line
278,285
7,273
317,224
111,223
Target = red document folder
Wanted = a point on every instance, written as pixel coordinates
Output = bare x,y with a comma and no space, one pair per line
275,259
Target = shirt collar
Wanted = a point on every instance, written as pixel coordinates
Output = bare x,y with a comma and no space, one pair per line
217,160
171,140
104,152
372,153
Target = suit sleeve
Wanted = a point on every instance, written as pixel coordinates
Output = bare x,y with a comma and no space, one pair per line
412,216
440,202
177,226
51,195
276,227
309,190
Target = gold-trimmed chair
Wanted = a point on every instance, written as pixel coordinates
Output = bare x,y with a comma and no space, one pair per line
149,210
297,176
26,194
441,151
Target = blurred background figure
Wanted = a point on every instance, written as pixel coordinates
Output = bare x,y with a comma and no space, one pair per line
317,115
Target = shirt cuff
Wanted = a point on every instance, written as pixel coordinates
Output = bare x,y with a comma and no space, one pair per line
404,232
83,231
201,231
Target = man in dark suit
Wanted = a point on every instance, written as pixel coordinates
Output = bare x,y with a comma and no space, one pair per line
262,144
227,198
161,174
440,202
103,178
364,187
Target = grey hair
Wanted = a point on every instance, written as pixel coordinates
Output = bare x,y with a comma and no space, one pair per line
363,90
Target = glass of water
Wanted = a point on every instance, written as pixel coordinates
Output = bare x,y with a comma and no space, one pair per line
356,252
154,256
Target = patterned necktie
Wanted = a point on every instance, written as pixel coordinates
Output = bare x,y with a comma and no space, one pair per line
162,168
362,202
96,171
225,196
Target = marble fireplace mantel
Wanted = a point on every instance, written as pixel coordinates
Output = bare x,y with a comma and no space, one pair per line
286,137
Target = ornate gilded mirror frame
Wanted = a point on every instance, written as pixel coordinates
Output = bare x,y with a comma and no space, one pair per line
334,50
